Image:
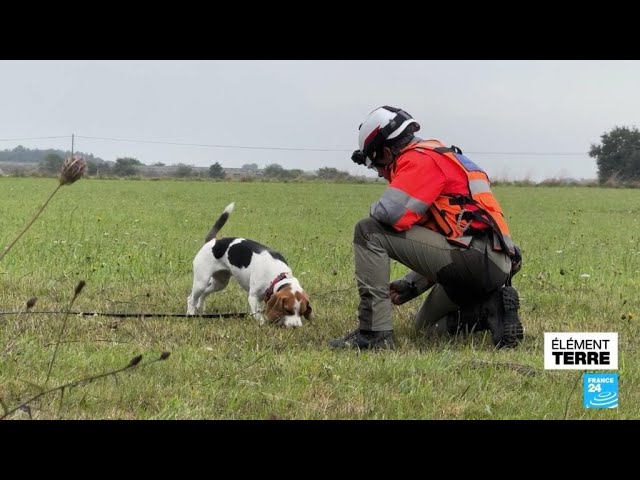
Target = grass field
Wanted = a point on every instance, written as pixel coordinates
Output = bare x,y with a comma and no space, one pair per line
133,243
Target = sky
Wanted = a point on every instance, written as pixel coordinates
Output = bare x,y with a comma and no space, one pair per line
518,119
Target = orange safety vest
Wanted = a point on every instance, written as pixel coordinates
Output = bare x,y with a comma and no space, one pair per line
453,215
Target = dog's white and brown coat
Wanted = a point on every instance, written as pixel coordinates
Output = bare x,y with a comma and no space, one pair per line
275,295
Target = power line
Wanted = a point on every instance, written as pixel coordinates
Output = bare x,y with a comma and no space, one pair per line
301,149
528,153
217,145
253,147
32,138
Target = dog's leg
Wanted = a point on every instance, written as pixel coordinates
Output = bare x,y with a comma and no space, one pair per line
203,269
255,302
218,281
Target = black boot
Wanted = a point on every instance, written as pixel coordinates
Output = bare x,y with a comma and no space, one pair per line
466,320
365,340
499,313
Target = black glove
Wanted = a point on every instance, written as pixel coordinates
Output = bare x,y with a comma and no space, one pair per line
516,261
402,291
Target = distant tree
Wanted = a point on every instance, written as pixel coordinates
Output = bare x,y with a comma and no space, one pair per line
51,163
274,171
92,167
21,154
216,171
104,168
126,167
618,157
327,173
158,164
184,170
250,166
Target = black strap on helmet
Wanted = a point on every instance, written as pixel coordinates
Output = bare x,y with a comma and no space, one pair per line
388,129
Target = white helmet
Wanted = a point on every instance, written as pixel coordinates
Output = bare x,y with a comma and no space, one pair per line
384,123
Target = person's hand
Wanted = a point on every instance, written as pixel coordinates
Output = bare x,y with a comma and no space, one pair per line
516,261
401,291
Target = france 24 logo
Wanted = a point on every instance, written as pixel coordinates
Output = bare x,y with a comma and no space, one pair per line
600,390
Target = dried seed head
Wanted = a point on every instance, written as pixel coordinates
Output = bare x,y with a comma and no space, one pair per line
134,361
79,287
72,169
31,302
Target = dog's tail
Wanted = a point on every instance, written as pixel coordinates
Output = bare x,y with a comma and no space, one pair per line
220,222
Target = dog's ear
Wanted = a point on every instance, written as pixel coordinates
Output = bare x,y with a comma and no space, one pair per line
275,308
307,313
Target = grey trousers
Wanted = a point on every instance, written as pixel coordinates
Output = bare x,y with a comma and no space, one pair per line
460,276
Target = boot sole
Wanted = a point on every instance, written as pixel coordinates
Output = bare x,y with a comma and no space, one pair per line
513,329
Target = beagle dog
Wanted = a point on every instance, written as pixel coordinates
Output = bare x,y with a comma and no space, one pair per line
275,295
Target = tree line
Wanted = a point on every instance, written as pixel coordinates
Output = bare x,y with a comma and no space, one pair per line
617,158
49,163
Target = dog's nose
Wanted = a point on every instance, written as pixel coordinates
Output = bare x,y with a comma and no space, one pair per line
292,321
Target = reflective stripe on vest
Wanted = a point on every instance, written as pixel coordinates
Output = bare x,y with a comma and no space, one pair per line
450,213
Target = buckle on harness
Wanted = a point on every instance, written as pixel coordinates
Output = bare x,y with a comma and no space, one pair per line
461,216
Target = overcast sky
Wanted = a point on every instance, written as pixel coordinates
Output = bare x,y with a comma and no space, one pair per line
495,108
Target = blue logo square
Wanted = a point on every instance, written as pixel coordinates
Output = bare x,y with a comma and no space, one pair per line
600,390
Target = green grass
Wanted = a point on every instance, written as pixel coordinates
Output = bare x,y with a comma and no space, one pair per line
133,243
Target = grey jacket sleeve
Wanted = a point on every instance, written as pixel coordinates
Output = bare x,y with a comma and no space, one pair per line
393,204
